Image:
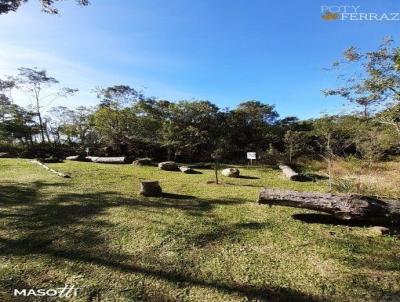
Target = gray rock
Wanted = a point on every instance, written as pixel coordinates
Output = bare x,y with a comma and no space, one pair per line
231,172
168,166
143,162
379,230
187,170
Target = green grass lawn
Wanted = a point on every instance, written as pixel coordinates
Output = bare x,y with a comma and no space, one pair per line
199,242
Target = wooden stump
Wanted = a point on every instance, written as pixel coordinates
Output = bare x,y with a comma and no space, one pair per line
150,188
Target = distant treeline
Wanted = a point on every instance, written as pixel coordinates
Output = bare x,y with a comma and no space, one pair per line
127,123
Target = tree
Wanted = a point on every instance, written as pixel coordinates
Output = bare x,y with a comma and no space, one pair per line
376,79
19,125
390,116
7,6
115,119
250,127
326,135
190,128
118,96
74,124
35,83
295,143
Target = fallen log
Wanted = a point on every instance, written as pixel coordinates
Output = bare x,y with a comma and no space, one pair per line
50,169
289,172
109,160
343,206
77,158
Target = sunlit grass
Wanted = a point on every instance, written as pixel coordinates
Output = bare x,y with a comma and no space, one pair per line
199,242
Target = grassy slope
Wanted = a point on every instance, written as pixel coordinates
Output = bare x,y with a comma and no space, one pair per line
202,242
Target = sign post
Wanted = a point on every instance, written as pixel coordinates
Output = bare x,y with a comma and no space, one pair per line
251,156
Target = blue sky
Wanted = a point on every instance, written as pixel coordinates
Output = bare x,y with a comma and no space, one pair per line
222,51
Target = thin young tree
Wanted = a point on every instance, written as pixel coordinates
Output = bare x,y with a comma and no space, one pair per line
370,79
325,133
37,83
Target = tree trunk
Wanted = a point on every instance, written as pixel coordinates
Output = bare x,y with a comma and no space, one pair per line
289,172
216,172
41,128
343,206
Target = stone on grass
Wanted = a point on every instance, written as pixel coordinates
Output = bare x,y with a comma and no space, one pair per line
379,230
4,154
168,166
143,162
150,188
231,172
186,169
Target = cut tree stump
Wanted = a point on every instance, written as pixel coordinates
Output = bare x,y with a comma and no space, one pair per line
343,206
150,188
289,172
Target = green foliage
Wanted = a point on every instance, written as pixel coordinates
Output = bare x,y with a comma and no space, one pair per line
376,80
47,6
296,143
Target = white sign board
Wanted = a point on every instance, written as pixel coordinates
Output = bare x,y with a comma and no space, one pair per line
251,155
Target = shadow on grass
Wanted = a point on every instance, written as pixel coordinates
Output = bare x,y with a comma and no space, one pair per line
176,196
318,218
241,185
68,226
193,172
271,293
248,177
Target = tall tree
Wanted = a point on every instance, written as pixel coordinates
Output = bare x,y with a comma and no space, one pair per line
35,82
73,124
118,96
249,127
